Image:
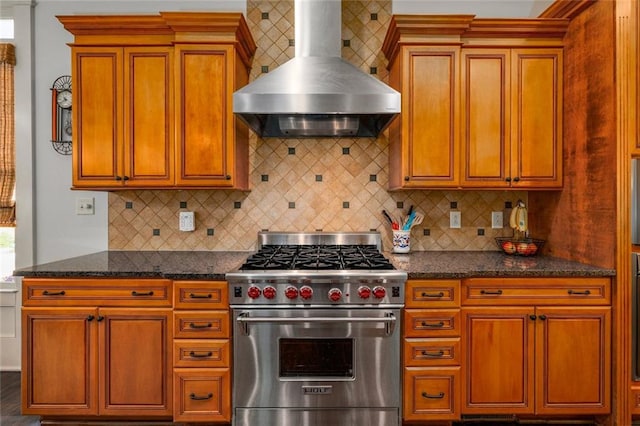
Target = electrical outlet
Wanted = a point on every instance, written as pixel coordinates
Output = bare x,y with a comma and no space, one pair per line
496,220
85,206
455,219
187,221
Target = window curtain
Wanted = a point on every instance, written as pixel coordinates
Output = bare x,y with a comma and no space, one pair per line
7,136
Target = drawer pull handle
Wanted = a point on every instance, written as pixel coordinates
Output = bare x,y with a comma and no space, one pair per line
197,355
195,397
440,294
586,292
431,396
492,292
207,325
53,293
146,293
200,296
439,324
428,354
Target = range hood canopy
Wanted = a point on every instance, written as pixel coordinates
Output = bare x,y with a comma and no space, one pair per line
317,93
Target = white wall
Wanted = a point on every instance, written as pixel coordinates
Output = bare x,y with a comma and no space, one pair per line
48,228
59,232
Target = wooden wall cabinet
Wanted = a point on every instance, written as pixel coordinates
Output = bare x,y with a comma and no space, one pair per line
511,118
537,346
97,347
201,352
154,100
432,351
122,124
481,102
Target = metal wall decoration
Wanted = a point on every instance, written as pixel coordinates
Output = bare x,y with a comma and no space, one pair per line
61,129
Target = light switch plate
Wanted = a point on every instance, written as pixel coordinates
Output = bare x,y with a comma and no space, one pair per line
187,221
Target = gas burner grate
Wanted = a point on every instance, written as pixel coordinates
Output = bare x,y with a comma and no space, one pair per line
317,257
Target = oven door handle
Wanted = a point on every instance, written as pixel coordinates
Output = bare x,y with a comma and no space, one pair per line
244,319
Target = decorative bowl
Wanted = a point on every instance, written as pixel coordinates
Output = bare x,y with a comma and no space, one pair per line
520,247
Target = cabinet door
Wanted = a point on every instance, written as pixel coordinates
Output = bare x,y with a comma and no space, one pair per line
59,361
148,117
499,360
204,92
430,123
97,117
536,122
136,364
573,360
485,118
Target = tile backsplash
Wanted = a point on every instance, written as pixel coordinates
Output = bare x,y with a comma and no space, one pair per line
307,184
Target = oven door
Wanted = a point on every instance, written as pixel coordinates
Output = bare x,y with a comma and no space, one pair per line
316,367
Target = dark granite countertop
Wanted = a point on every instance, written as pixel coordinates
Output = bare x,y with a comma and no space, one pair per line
206,265
213,265
463,264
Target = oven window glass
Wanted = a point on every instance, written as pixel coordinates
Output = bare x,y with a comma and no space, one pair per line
316,357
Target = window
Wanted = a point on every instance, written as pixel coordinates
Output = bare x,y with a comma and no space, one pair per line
7,153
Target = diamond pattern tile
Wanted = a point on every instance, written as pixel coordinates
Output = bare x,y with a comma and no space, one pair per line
292,178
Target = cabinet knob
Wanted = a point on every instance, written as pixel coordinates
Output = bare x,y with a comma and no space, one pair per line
126,178
508,179
516,179
228,177
532,317
100,318
543,317
118,177
90,318
406,178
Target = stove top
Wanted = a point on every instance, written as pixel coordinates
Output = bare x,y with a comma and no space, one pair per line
321,257
317,268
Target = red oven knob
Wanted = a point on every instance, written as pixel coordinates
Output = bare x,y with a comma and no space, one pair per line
306,292
335,294
253,292
291,292
269,292
364,292
379,292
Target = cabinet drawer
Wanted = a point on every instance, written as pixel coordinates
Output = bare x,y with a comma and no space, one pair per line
200,295
536,291
431,393
202,395
201,324
432,322
201,353
432,352
433,294
96,292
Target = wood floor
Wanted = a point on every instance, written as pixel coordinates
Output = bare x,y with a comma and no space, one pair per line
10,401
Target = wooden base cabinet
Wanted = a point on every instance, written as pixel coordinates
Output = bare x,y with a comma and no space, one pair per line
536,359
201,352
94,360
431,351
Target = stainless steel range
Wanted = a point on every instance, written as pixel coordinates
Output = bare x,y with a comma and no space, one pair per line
317,332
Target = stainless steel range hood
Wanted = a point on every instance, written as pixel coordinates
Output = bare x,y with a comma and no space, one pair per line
317,93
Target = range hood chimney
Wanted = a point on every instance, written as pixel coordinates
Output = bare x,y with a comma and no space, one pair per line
317,93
